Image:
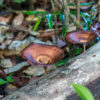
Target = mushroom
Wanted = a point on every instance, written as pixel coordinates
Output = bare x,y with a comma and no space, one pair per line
81,37
42,54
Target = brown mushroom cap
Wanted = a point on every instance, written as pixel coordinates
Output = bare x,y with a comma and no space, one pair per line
42,54
80,37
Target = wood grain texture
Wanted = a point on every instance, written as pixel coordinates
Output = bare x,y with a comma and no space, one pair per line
82,69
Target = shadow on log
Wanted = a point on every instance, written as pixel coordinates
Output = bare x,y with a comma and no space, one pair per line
83,69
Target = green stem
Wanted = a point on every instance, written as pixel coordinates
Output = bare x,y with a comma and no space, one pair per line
56,27
98,10
78,10
66,14
76,23
31,6
45,4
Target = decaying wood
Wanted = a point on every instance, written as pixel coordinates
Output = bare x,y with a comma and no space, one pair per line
9,52
82,69
16,67
17,28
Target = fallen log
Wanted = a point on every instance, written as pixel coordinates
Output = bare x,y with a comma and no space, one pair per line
83,69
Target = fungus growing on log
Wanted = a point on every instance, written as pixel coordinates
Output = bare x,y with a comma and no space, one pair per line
42,54
81,37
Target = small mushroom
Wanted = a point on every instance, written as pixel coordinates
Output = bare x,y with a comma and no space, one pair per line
80,37
42,54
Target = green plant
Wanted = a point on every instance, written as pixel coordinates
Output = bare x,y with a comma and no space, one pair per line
43,14
83,92
19,1
50,20
61,62
78,51
8,79
88,19
1,2
37,23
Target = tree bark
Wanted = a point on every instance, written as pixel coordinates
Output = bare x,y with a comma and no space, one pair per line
83,69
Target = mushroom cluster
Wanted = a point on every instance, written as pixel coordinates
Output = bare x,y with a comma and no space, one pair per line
48,54
42,54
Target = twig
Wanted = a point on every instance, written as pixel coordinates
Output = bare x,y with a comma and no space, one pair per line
78,10
45,4
56,27
68,1
76,23
8,9
16,67
17,28
98,10
11,10
66,14
58,4
9,52
66,18
31,6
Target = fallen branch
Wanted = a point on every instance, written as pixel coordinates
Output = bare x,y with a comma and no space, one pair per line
82,69
9,53
16,67
18,28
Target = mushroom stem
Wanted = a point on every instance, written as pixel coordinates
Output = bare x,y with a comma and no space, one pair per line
84,47
45,69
